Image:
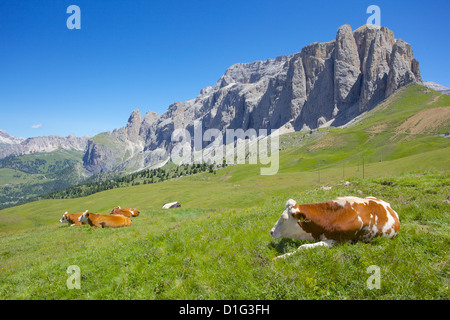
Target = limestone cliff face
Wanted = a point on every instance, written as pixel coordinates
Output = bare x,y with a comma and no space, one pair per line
325,84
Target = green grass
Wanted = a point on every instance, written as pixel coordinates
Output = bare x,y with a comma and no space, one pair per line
191,253
217,245
11,176
49,163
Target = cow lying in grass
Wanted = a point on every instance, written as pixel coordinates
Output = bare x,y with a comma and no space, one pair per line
104,220
71,218
127,212
346,219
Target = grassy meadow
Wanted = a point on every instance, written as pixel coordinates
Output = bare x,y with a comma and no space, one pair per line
217,245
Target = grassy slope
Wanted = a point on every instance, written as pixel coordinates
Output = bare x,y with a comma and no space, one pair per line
217,245
28,179
11,176
50,157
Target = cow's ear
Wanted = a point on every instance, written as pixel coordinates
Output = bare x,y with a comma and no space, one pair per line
290,204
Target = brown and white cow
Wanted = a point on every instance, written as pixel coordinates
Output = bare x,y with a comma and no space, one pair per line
346,219
72,218
104,220
127,212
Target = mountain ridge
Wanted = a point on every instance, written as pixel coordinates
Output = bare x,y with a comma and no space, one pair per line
327,83
6,138
438,87
13,146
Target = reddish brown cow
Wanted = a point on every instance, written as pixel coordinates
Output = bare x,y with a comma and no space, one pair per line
104,220
127,212
71,218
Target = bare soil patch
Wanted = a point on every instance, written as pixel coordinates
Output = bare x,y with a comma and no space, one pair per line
425,122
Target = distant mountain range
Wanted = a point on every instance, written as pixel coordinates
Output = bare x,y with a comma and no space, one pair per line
326,84
7,139
12,146
437,87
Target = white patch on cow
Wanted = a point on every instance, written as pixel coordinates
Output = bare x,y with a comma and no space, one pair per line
291,203
64,218
342,201
288,209
83,218
374,230
389,226
325,243
287,226
294,210
392,233
362,223
386,206
396,214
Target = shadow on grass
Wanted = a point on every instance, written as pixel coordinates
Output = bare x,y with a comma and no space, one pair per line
285,245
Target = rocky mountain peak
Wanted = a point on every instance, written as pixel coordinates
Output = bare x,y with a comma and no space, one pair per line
327,83
6,138
134,125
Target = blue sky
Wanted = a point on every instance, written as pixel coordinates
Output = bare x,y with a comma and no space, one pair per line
135,54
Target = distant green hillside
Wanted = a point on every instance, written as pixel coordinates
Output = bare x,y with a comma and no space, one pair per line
49,163
25,177
217,245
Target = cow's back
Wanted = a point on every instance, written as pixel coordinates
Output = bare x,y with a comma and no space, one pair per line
73,219
349,219
130,212
378,219
122,212
110,221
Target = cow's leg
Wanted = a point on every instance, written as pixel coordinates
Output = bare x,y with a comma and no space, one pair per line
325,243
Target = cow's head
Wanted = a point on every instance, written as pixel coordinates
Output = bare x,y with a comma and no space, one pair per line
287,226
64,218
135,212
84,217
114,209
